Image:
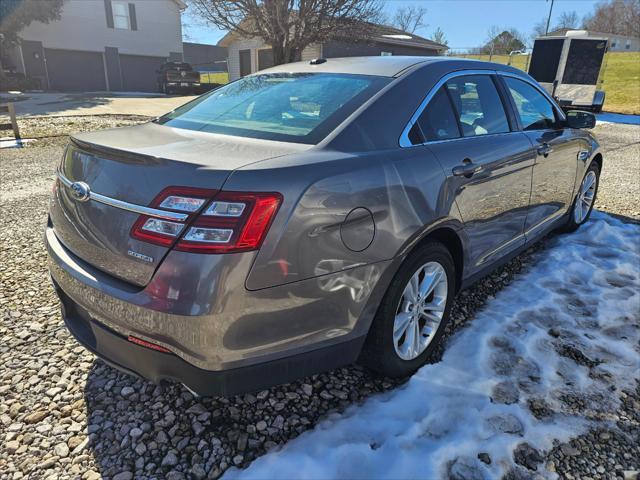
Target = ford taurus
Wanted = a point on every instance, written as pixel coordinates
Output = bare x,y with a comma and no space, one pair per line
309,216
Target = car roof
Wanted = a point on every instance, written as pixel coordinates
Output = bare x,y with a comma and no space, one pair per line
385,66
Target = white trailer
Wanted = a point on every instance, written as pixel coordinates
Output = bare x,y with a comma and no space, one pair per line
570,69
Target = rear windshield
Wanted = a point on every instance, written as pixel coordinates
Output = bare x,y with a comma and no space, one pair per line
289,107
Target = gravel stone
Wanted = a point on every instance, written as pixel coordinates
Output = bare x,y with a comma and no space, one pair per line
12,446
527,456
123,476
65,414
505,392
506,424
170,460
61,450
36,417
127,391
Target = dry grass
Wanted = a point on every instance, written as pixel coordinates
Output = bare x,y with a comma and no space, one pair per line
622,82
215,77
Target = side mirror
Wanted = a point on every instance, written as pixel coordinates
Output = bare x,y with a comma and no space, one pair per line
580,119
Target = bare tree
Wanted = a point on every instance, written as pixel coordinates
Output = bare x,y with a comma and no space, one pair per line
539,29
438,36
567,20
409,19
290,25
620,17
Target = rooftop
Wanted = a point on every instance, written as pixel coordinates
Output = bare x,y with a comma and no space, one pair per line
384,66
377,33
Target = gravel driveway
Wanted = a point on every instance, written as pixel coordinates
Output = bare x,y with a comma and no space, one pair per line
64,414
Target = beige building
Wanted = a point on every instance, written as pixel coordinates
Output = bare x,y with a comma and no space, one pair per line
249,55
101,45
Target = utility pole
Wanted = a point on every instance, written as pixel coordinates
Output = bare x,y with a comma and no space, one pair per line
546,30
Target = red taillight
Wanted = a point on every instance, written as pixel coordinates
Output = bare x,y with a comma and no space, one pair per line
231,222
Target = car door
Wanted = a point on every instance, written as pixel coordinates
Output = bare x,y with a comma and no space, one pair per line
556,149
488,163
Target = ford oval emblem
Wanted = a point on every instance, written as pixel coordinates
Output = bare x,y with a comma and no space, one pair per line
80,191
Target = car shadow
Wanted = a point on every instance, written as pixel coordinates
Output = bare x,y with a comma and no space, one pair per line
138,427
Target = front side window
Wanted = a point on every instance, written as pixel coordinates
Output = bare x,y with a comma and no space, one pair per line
534,110
478,105
438,122
120,15
290,107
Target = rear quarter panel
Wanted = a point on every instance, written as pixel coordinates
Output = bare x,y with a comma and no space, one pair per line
402,192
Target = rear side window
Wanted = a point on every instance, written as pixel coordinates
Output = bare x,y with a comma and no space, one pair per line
478,105
534,110
438,121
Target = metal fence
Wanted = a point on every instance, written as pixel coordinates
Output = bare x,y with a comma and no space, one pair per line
520,61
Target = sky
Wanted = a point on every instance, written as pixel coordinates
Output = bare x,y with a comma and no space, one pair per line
465,22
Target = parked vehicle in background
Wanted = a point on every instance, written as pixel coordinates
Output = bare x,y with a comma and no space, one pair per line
570,69
308,216
178,77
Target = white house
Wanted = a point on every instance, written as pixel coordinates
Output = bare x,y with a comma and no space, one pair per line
248,55
102,45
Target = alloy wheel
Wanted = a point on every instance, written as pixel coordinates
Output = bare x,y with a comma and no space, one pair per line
585,197
420,310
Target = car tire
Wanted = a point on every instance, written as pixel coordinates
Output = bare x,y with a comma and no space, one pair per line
394,356
583,204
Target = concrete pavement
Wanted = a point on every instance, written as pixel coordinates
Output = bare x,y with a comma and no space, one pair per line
92,103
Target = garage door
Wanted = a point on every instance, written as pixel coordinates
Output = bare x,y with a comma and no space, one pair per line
75,71
139,72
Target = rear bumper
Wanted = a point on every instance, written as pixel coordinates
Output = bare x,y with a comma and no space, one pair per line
224,338
157,366
178,86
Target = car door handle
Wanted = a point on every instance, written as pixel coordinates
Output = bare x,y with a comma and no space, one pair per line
545,149
467,169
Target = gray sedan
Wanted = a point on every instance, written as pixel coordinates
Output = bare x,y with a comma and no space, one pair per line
309,216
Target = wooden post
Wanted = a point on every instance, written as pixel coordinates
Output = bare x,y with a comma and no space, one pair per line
10,109
14,122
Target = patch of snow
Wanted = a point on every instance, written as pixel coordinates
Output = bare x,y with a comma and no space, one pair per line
13,143
399,36
569,327
608,117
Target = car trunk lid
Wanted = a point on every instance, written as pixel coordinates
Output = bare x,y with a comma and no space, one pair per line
126,169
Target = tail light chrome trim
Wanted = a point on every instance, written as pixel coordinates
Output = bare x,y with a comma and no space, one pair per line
130,207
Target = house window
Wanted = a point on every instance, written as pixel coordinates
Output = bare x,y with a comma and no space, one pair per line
613,44
386,54
121,15
628,45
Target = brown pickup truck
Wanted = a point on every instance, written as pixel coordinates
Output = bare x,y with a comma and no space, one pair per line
174,77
